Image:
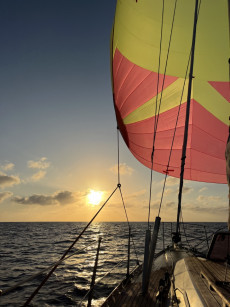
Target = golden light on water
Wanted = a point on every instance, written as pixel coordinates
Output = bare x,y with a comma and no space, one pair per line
94,197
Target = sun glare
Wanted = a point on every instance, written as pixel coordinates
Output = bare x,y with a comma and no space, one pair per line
94,197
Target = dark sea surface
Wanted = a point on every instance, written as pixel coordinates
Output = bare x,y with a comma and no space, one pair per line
28,248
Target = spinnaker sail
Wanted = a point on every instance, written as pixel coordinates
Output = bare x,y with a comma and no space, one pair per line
141,80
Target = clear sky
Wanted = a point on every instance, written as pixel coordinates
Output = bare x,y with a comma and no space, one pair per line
58,129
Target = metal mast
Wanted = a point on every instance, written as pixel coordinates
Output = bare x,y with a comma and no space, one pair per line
177,236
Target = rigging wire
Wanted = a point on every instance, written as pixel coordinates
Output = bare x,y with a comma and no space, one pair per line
158,72
174,134
128,224
185,139
100,278
67,251
155,127
162,88
170,153
118,156
150,192
166,64
184,230
119,186
196,238
44,270
209,237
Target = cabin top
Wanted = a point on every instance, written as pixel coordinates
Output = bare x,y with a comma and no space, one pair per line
220,247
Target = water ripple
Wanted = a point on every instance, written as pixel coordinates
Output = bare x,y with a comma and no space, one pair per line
27,248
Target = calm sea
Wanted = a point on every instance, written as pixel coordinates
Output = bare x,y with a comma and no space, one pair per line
28,248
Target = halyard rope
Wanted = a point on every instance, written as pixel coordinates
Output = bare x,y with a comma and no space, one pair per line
119,186
155,126
166,173
157,115
129,225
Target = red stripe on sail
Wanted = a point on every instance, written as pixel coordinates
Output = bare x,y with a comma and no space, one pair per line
207,137
222,87
134,85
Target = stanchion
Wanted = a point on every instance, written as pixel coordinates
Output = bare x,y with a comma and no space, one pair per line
94,275
128,262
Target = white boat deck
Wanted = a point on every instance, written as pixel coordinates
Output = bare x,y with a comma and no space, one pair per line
193,275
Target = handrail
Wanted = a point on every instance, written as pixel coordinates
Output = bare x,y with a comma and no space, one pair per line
66,258
99,279
94,274
128,262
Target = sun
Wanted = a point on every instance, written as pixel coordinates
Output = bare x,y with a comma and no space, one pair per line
94,197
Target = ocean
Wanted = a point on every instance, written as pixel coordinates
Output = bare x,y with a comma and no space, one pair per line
28,248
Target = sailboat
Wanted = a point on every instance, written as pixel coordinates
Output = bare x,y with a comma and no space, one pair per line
170,78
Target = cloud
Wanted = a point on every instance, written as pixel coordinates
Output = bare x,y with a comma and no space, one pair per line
8,181
187,190
130,200
169,191
123,168
166,192
5,195
136,194
171,181
40,164
8,166
203,189
154,204
39,175
209,204
58,198
201,198
215,198
67,197
118,204
170,204
209,210
35,199
208,199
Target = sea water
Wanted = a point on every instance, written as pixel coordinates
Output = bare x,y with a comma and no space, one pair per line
28,248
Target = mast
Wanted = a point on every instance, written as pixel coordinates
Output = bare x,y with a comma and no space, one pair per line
177,237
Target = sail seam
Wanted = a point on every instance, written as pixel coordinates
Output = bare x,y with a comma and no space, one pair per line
118,68
174,149
146,133
133,92
187,168
121,85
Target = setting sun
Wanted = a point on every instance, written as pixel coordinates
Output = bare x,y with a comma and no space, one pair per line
94,197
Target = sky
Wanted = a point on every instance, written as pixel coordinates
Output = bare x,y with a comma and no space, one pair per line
58,129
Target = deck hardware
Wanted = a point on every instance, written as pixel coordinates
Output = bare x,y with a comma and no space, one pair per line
94,274
146,258
151,253
206,236
128,261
